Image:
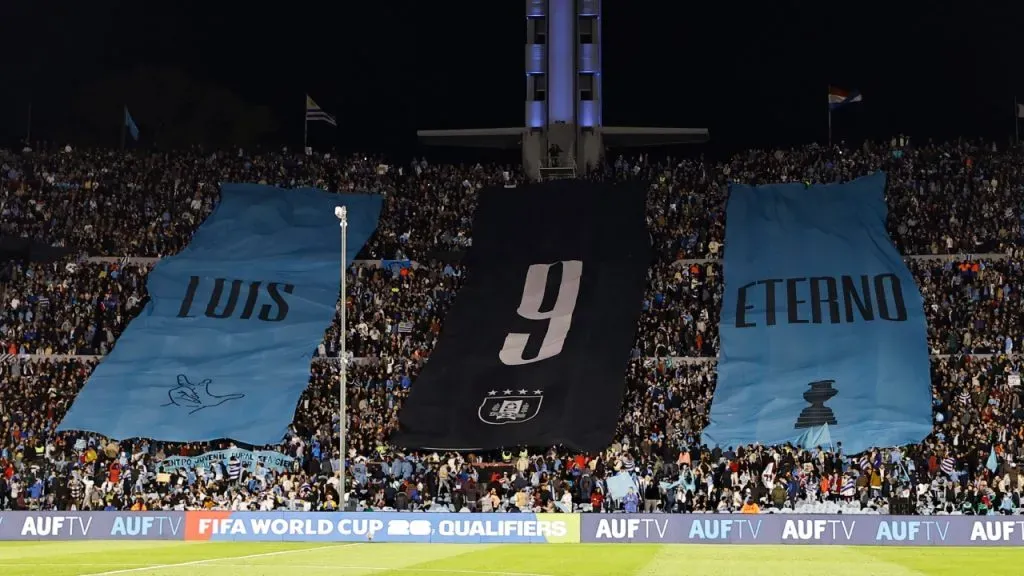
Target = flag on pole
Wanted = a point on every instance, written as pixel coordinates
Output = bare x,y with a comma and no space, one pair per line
993,462
314,113
129,123
837,98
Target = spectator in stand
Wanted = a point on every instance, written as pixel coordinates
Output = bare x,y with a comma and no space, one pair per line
956,205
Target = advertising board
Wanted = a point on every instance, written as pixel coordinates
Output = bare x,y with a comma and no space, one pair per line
381,527
230,526
92,525
804,529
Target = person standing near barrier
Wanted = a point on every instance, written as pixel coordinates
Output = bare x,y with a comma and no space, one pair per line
652,496
631,502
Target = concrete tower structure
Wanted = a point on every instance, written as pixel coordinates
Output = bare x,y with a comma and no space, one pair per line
563,132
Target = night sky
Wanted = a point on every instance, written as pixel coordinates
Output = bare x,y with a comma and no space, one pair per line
754,73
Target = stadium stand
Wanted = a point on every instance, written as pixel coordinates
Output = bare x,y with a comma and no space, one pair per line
955,211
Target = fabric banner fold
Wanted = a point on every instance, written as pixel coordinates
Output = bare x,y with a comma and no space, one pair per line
223,348
822,323
535,347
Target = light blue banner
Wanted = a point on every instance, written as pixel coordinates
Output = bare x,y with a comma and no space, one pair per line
223,348
821,323
619,485
247,458
396,266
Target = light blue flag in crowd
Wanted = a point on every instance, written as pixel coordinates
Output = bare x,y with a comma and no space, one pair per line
396,266
619,485
224,346
993,462
129,123
821,322
815,437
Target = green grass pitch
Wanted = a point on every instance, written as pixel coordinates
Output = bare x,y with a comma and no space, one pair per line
377,559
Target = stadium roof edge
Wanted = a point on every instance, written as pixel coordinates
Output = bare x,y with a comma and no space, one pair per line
616,136
634,136
505,138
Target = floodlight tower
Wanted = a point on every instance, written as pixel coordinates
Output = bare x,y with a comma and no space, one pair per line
564,132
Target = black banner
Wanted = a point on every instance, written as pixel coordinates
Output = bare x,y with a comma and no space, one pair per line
25,250
535,347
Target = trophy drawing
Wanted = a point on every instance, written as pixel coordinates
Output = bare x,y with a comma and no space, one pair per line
817,414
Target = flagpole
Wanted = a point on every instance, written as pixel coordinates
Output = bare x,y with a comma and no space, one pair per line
828,90
28,127
305,124
830,124
342,214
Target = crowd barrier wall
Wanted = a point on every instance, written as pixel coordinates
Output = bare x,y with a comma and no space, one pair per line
92,526
843,530
228,526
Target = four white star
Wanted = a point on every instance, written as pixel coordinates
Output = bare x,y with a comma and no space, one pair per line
538,391
522,391
492,392
507,392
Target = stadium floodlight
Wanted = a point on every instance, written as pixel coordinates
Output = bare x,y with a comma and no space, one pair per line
342,214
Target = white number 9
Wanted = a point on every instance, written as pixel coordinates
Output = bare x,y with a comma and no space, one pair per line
559,318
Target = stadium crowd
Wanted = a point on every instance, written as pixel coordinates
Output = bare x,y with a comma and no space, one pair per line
957,207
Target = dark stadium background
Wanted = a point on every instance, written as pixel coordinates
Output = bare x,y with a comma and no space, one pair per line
755,73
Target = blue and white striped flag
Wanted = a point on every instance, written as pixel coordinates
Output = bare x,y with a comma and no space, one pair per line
234,468
848,484
314,113
948,465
